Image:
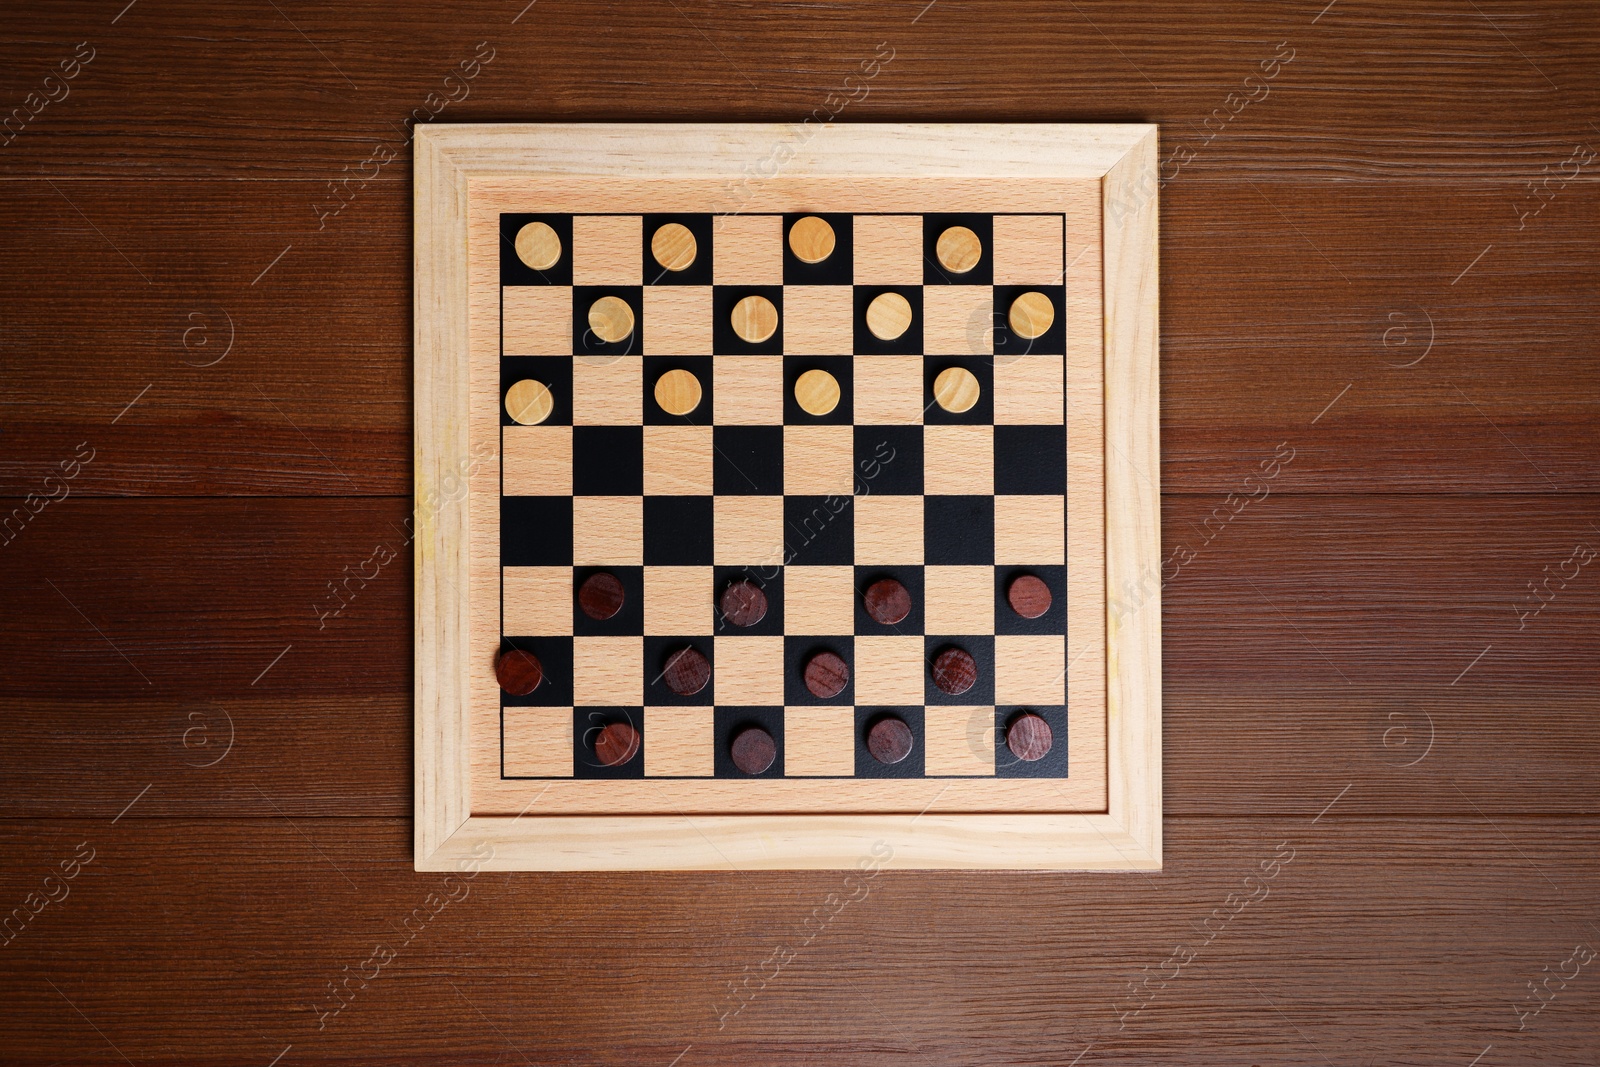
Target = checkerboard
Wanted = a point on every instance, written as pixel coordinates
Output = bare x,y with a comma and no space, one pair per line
810,508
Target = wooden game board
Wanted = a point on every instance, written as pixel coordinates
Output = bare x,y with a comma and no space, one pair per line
1053,473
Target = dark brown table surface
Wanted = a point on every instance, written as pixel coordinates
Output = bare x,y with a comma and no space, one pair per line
1364,717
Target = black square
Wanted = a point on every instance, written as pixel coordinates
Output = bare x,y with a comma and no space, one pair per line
843,370
797,652
729,722
912,766
981,413
1053,621
908,343
629,619
556,374
536,531
724,342
1054,762
607,460
819,530
586,726
1030,459
1053,342
934,273
515,272
584,341
769,579
747,460
981,648
555,657
655,367
837,269
889,460
912,579
958,530
658,651
696,273
678,531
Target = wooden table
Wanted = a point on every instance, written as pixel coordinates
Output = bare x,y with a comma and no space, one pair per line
1380,758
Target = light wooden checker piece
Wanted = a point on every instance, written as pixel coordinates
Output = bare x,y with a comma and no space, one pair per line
823,808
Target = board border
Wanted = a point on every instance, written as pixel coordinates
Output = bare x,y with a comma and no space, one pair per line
1122,157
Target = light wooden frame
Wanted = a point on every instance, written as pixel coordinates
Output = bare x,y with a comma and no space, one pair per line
1121,158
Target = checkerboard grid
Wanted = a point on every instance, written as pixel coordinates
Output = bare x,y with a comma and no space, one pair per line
677,452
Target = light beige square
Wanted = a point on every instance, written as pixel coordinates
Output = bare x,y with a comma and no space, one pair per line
958,740
959,600
958,320
538,460
677,601
958,460
677,320
749,669
888,530
819,742
537,320
889,670
1030,669
888,390
749,250
1028,250
818,460
607,250
538,601
607,671
1030,530
819,601
677,460
607,391
818,320
538,742
747,390
747,531
1029,390
607,531
679,742
888,249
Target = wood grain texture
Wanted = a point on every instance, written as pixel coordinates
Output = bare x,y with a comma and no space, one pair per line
1393,149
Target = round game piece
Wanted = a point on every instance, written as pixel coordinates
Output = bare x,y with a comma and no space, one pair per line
817,392
743,603
826,675
887,601
956,389
600,596
673,246
1028,737
616,743
529,402
678,392
538,246
687,672
754,750
888,316
958,250
1031,315
954,671
1029,596
889,740
811,239
519,673
611,319
755,319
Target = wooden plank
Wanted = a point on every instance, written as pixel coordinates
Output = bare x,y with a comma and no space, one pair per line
273,913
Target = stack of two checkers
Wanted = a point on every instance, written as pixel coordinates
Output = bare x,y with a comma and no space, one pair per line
754,318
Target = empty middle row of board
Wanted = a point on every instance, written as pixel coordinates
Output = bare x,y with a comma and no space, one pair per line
755,318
